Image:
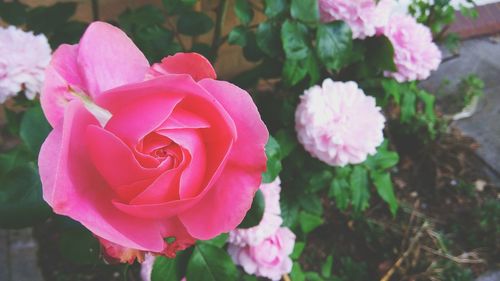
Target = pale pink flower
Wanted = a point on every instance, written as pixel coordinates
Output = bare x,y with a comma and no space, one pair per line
415,55
268,259
23,58
338,124
270,222
364,17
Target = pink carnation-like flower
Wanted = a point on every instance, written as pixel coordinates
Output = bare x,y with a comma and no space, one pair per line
338,124
268,259
415,55
364,17
23,58
270,222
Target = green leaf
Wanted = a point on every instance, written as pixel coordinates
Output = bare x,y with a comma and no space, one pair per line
251,51
297,250
313,276
286,141
166,269
313,69
46,19
243,11
326,268
177,6
309,222
34,129
334,44
254,215
268,38
297,274
293,72
203,49
274,8
339,189
134,21
218,241
289,211
383,159
13,13
360,189
295,41
21,202
385,189
305,10
79,246
12,159
311,203
408,107
194,23
209,263
273,153
381,53
238,36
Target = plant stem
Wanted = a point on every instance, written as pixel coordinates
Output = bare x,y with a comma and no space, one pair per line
95,9
220,13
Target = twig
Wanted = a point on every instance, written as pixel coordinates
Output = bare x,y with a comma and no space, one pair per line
286,278
220,13
177,35
453,258
398,263
95,9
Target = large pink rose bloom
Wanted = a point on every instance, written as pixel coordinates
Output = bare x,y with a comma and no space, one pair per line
415,55
178,155
23,59
270,258
271,220
364,17
338,124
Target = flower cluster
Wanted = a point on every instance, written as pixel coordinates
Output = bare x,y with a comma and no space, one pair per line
264,250
415,54
23,58
338,124
365,17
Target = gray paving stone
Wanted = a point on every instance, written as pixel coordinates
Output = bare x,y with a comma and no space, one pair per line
482,57
4,252
23,256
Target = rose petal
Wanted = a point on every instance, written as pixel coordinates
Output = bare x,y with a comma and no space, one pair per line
108,58
226,204
196,65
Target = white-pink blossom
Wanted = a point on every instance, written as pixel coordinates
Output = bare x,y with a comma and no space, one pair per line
23,58
338,124
271,220
270,258
415,54
364,17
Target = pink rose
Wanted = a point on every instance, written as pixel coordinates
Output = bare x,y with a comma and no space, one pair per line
139,155
268,259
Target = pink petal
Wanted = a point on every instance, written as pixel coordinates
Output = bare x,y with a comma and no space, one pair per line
193,64
108,59
226,204
61,74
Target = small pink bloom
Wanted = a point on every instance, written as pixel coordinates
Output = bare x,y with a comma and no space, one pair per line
138,155
338,124
364,17
271,220
23,58
415,55
268,259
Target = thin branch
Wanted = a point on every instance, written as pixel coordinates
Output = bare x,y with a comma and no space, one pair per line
95,9
177,35
220,15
